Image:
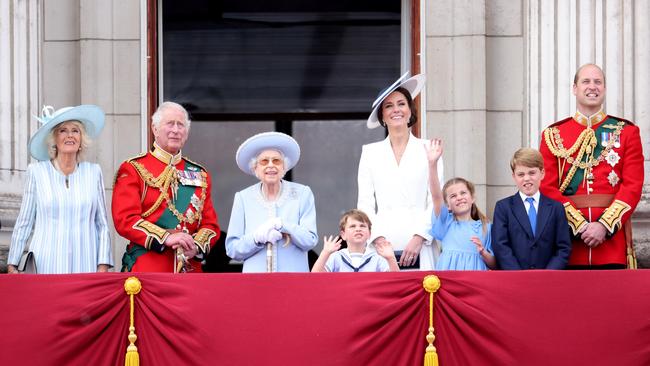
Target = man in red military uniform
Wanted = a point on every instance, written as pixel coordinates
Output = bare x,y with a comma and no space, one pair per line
162,202
594,166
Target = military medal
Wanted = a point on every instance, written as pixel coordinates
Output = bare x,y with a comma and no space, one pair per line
613,178
190,178
604,138
617,141
612,158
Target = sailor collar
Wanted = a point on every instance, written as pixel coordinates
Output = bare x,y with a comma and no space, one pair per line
164,156
592,120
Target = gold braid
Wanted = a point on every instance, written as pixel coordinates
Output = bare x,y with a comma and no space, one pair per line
162,182
585,143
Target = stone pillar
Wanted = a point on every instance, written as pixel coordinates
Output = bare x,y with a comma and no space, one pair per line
90,53
455,60
505,95
638,82
19,66
563,35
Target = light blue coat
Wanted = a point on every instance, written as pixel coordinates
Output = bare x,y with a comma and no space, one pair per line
67,222
295,207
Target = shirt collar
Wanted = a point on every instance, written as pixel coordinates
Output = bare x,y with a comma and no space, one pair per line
535,197
164,156
594,119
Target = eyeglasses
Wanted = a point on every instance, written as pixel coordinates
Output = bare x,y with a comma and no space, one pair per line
266,161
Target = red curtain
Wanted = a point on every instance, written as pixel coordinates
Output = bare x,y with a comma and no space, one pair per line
481,318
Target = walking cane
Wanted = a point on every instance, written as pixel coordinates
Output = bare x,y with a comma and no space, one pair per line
269,257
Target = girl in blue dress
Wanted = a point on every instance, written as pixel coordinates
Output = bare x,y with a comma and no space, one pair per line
462,228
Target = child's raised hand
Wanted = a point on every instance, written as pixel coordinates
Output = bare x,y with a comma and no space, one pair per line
332,243
385,249
434,150
478,243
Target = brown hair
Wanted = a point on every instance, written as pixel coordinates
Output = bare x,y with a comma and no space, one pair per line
530,158
357,215
475,213
409,101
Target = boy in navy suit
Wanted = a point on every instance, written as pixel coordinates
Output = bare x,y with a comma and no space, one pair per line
530,230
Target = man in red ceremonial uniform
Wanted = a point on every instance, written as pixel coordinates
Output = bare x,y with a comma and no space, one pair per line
162,202
594,166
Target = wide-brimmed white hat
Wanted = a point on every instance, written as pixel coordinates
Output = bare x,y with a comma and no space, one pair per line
91,116
413,84
255,144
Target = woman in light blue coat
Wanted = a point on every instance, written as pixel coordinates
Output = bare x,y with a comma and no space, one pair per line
63,208
273,223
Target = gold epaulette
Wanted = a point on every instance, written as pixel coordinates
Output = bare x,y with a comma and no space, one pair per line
612,216
195,163
142,155
127,161
574,217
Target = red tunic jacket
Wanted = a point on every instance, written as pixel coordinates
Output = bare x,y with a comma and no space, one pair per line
616,170
136,217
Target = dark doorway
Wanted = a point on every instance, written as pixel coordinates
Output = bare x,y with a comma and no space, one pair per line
309,69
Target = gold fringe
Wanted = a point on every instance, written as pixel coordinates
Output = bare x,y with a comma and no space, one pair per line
431,284
631,258
132,287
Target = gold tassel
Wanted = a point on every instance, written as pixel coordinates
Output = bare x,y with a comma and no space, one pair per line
431,284
132,287
631,255
631,258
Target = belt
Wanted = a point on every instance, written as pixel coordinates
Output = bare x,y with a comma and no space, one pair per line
591,200
604,200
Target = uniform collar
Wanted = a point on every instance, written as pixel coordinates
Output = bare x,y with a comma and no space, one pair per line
164,156
591,120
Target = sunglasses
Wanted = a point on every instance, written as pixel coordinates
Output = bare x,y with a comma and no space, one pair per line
266,161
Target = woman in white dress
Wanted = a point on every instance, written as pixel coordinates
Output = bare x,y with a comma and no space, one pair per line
63,207
394,178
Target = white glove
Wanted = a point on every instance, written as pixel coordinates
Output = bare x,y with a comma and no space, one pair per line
261,233
273,236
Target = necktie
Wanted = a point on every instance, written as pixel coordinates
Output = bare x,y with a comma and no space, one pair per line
532,213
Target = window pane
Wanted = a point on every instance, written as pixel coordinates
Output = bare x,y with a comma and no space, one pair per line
256,56
329,161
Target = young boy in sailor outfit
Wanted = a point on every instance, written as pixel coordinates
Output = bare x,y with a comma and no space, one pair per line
355,229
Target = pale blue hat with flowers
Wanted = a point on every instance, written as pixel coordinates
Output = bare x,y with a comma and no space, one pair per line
255,144
413,84
91,117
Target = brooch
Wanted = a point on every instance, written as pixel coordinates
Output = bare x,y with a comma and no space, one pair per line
612,158
613,178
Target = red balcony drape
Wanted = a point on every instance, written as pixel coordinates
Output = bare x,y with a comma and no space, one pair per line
481,318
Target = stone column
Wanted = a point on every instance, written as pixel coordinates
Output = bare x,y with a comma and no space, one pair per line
638,82
19,66
563,35
455,62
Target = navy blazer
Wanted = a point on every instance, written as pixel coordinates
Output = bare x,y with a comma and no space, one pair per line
513,242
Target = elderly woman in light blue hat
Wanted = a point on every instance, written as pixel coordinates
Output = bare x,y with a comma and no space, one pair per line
63,207
273,222
394,178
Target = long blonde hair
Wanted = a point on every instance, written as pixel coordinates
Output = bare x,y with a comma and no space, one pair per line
475,213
